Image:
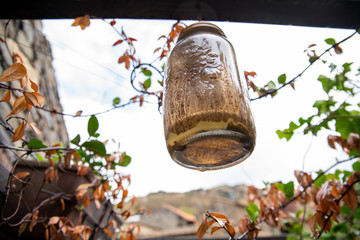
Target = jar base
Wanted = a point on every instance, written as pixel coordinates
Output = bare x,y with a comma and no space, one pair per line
212,150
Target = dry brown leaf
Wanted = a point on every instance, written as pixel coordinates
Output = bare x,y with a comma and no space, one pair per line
324,206
34,98
118,42
13,73
97,203
33,220
230,229
53,220
109,233
47,234
312,225
125,193
332,140
338,49
334,207
19,132
6,97
62,204
23,226
40,98
18,106
51,161
86,201
220,218
320,219
335,192
20,175
23,81
82,170
34,86
214,229
202,229
83,186
18,58
50,174
83,22
350,198
34,127
322,192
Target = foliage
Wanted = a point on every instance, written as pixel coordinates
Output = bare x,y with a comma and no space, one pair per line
333,197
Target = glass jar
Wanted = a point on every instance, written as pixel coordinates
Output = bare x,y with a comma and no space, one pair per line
208,123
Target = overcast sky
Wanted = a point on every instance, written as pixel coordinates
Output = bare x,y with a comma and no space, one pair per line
89,77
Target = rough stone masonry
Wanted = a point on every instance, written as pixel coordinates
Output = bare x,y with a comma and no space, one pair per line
25,38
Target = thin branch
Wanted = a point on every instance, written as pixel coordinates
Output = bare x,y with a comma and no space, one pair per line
244,234
305,69
54,111
320,175
328,216
28,151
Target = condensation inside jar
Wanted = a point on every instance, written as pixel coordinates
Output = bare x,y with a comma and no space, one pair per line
208,123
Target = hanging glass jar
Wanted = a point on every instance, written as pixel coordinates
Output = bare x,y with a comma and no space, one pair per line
208,123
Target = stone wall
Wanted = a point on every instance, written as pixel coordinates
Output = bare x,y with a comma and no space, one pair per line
24,37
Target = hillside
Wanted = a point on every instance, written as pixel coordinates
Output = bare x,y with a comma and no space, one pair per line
174,214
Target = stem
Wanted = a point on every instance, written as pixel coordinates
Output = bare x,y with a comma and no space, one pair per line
28,151
304,70
321,174
86,115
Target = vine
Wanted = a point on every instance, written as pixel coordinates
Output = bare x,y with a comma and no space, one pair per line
332,196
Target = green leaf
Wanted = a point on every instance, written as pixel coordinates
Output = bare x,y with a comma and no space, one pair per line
76,140
330,41
287,189
347,67
299,212
341,227
116,101
40,158
146,72
96,147
323,106
35,144
147,83
312,59
327,83
93,126
356,166
271,85
332,67
284,134
282,78
253,211
347,125
345,210
126,161
320,180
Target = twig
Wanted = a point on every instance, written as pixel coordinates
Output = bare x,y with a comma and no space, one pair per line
53,111
304,70
244,234
328,216
320,175
28,151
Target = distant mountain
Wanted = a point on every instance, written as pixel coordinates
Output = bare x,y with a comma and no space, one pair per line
181,213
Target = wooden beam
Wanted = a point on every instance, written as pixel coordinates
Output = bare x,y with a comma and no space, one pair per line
316,13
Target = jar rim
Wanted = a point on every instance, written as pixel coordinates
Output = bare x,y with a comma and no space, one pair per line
200,27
